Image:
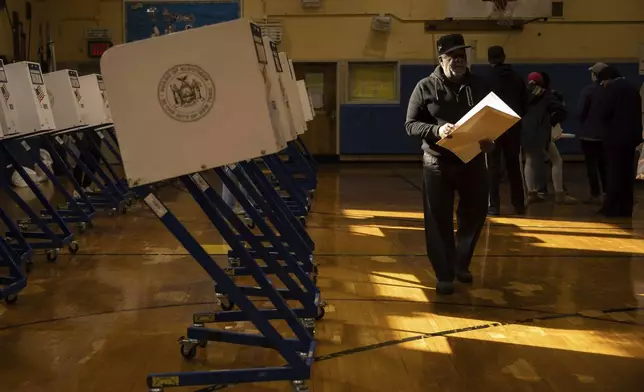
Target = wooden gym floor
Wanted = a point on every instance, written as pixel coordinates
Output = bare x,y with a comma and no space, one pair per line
557,303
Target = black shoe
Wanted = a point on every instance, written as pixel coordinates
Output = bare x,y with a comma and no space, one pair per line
493,212
445,288
464,277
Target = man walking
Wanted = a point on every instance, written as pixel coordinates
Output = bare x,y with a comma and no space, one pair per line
591,132
621,112
511,88
437,103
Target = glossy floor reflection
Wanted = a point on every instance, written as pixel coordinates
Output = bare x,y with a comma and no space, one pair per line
557,303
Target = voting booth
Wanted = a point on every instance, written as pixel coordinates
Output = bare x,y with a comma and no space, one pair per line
305,101
96,106
218,97
293,95
277,90
30,97
66,100
217,107
8,113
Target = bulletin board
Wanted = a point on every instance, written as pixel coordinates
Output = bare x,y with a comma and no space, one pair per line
373,82
145,19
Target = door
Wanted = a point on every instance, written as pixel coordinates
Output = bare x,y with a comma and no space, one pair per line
321,80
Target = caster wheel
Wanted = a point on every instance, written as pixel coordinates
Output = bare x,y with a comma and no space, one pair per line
52,255
11,299
203,344
227,304
188,351
299,386
321,313
82,227
74,247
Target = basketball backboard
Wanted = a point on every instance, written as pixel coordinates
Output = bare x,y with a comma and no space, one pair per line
498,9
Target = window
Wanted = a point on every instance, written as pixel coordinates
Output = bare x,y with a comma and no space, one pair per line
373,82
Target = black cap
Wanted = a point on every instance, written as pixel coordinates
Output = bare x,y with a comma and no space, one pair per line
495,54
608,73
450,42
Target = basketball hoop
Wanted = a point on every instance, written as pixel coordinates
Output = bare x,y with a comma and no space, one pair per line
503,11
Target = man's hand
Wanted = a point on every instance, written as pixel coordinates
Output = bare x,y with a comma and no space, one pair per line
486,145
445,131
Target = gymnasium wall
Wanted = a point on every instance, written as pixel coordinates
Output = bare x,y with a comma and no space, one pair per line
591,30
6,47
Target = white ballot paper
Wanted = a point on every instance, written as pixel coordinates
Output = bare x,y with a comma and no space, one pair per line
489,119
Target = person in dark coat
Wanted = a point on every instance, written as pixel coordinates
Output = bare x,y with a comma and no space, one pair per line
436,104
511,88
590,134
621,113
544,110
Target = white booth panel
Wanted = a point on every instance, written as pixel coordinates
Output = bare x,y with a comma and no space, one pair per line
274,69
30,97
96,106
189,101
66,99
305,101
8,114
293,96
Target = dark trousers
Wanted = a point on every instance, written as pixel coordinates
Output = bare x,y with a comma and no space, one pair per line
595,166
507,146
620,180
441,181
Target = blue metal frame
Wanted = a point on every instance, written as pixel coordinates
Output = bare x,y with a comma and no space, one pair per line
46,238
110,195
298,352
16,279
71,211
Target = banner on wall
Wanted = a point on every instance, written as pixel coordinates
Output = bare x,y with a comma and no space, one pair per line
146,19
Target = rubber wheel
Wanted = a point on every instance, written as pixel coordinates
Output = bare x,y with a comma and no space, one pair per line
228,305
74,247
52,256
188,351
321,313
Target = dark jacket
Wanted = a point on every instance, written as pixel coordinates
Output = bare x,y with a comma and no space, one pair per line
621,113
436,101
589,112
509,86
541,112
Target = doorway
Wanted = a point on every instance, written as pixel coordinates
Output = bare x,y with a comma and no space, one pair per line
321,79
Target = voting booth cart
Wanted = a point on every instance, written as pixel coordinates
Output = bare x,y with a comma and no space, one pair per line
301,161
208,111
279,174
284,208
102,186
27,95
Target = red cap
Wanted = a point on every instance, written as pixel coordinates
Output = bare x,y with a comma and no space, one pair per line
535,77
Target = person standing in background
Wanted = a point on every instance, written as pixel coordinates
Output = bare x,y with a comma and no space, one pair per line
511,88
590,134
622,116
542,112
437,103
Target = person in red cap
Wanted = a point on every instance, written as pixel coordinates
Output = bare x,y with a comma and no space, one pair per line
543,111
437,103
